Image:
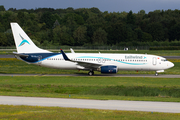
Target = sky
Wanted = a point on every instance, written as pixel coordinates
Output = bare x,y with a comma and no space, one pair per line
102,5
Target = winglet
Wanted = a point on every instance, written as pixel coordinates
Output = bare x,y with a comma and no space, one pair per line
72,51
64,55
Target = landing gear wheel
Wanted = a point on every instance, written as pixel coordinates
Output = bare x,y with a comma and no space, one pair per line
156,74
91,73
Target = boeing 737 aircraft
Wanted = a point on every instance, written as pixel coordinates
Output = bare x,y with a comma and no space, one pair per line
105,63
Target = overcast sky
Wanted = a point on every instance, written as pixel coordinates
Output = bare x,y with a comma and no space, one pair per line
103,5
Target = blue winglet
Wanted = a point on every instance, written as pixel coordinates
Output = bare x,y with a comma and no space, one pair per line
64,55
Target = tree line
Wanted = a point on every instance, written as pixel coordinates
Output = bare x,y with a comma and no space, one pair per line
90,26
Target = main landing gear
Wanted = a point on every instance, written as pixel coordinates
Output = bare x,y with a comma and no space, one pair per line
156,74
91,73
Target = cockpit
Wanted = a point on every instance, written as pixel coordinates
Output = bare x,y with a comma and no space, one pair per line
163,60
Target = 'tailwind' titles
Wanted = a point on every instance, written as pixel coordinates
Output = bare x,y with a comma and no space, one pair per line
134,57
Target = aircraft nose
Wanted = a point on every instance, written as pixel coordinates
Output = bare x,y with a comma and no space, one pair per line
170,64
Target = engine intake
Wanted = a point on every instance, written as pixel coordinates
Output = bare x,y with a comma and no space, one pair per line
108,69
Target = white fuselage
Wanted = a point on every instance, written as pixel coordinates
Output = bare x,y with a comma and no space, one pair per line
122,61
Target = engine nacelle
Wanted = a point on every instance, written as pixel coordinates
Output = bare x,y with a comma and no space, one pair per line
108,69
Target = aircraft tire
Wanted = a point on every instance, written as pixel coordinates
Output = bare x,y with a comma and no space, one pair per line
91,73
156,74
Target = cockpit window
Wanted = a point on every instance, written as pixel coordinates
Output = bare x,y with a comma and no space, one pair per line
163,60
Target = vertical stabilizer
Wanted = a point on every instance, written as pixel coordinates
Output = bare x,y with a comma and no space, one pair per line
23,43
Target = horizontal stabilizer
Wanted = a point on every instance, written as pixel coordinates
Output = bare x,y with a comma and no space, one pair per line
20,55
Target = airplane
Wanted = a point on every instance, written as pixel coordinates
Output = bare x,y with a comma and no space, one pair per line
105,63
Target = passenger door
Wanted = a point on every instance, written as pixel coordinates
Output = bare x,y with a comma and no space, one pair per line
154,61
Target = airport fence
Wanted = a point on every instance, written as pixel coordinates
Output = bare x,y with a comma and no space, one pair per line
96,47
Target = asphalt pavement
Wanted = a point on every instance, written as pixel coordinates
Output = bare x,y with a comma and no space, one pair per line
167,107
98,75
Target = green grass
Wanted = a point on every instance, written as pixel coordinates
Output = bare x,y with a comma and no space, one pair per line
89,81
53,113
118,88
12,65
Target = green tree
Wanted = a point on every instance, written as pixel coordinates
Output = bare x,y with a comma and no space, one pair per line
80,35
57,35
146,37
94,23
156,30
117,33
130,18
47,18
21,18
6,19
45,43
9,36
65,37
99,37
42,36
2,8
131,35
71,19
95,10
82,12
174,32
139,33
1,28
142,12
79,26
3,39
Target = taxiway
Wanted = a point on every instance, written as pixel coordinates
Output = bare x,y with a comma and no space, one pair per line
99,75
167,107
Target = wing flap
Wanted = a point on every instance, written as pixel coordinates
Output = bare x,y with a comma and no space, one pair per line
87,64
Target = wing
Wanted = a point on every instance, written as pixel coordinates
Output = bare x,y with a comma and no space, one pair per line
87,65
82,64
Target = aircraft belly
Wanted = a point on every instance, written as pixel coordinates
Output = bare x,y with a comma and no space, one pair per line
156,67
133,67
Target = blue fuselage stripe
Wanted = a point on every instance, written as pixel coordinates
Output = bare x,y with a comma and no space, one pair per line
91,57
38,57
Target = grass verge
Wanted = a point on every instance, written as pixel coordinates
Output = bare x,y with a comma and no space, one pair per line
46,113
104,88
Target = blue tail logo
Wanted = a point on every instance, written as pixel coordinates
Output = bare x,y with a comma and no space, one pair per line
23,41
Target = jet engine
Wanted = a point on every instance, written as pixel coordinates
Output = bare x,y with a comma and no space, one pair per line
108,69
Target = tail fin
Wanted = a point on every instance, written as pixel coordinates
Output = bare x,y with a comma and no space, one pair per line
23,43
